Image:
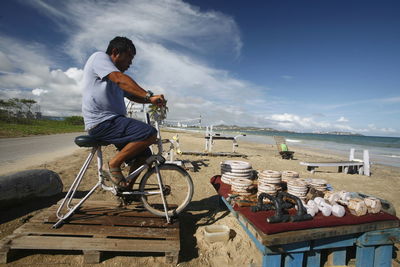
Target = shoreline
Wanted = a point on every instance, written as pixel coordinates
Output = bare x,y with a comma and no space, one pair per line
387,156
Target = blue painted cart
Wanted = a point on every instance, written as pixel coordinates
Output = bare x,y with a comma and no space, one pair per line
372,244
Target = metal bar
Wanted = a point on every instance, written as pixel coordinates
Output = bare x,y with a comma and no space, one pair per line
81,173
162,193
72,190
70,212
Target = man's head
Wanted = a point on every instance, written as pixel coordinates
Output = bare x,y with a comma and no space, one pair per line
121,51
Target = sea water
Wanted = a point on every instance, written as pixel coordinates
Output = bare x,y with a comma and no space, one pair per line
382,150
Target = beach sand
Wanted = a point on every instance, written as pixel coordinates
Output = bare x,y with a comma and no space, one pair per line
204,209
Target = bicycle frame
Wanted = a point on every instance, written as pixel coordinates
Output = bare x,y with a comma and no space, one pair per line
66,203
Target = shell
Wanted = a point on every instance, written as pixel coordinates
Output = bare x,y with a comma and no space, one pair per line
357,207
338,210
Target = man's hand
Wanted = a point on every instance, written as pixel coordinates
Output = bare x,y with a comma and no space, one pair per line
158,100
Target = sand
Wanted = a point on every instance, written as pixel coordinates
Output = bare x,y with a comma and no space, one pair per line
204,209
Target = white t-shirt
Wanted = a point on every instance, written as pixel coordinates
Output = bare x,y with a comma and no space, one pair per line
102,99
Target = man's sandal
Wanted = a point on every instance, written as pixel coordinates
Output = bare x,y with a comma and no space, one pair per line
115,176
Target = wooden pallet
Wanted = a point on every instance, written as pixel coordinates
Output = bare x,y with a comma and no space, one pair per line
97,227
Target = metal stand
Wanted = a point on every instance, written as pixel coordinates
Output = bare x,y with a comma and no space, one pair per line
66,203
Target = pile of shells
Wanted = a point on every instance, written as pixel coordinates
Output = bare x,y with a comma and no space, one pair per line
297,188
235,169
288,175
318,184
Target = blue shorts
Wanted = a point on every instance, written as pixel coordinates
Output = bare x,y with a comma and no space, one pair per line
121,130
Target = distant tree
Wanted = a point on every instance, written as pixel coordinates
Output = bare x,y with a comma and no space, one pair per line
28,103
74,120
17,110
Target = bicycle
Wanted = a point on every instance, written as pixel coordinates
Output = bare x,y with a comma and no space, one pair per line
165,189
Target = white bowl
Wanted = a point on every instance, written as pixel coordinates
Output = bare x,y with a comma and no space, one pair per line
216,233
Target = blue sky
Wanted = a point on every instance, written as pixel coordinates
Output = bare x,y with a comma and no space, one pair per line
291,65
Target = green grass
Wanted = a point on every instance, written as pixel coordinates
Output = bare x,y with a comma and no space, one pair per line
37,127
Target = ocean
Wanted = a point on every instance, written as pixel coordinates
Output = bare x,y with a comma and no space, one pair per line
382,150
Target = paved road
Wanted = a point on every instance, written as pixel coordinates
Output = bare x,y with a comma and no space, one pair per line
19,153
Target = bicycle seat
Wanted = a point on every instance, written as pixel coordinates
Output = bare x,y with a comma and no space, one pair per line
88,141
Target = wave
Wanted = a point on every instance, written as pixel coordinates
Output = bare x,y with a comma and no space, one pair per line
293,140
392,156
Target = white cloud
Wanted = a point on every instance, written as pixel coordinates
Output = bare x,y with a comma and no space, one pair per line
342,119
39,91
56,91
296,122
169,58
287,77
381,130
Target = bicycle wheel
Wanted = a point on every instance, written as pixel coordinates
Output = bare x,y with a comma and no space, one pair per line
177,189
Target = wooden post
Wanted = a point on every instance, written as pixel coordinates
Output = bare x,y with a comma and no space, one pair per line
351,156
210,140
172,257
337,257
91,256
207,134
366,163
4,255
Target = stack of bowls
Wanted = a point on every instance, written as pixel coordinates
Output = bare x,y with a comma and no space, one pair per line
236,169
269,177
288,175
297,188
242,187
318,184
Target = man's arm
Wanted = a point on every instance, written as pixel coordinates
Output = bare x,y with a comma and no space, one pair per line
127,84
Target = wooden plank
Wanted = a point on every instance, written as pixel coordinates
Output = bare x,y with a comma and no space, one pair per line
332,164
337,257
365,256
314,234
272,260
382,237
97,244
98,230
50,215
383,256
325,232
113,220
92,231
294,259
188,165
313,258
4,255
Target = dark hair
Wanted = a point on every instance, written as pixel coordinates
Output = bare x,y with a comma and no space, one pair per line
122,44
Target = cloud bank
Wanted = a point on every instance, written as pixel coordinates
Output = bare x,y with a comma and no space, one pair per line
177,47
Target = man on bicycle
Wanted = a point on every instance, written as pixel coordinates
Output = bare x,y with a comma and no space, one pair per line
104,87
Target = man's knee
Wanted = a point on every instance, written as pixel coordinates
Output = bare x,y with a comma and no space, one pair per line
152,139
